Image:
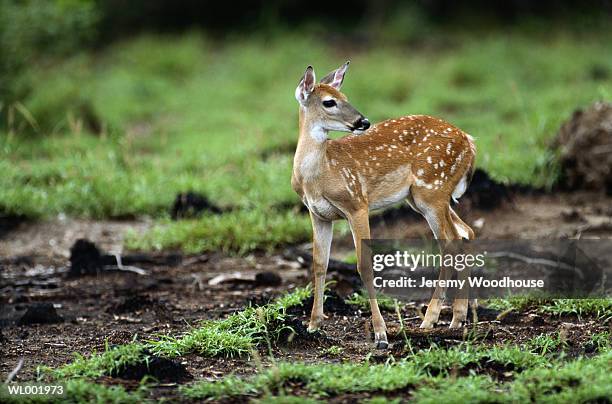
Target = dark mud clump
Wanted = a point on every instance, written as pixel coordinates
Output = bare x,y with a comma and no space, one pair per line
40,313
486,193
131,304
85,259
162,369
8,222
268,278
584,149
191,204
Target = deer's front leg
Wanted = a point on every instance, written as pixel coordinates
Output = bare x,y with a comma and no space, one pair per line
360,226
460,305
322,233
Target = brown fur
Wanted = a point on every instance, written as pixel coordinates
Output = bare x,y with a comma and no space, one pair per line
417,158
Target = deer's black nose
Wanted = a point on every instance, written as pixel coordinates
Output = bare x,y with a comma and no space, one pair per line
362,124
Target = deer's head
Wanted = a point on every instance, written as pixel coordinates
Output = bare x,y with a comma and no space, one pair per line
325,107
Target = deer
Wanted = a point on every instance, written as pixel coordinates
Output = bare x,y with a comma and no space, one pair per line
417,158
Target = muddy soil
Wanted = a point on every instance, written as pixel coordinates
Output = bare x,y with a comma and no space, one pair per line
115,307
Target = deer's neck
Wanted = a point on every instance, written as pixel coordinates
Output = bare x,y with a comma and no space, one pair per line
310,156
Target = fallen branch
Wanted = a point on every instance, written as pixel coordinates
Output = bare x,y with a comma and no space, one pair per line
12,375
126,268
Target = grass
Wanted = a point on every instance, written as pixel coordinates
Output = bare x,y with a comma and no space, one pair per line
534,371
333,351
113,359
602,341
240,232
598,308
323,380
185,113
236,335
362,301
576,381
545,343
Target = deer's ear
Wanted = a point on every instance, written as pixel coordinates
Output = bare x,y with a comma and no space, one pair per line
336,77
306,86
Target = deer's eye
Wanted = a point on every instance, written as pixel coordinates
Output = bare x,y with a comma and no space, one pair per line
329,103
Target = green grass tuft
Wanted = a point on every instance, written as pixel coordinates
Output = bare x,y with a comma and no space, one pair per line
361,300
113,359
544,343
598,308
234,336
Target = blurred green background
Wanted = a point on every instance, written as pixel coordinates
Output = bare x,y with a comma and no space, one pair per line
108,110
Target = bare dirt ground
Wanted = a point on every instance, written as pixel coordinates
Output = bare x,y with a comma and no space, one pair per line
116,306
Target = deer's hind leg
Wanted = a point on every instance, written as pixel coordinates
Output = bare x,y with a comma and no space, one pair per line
436,210
460,306
462,228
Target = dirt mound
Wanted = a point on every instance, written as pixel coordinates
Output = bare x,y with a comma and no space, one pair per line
131,304
40,313
486,193
8,222
162,369
85,258
191,204
268,278
584,146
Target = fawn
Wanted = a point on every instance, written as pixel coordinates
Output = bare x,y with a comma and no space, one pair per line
416,158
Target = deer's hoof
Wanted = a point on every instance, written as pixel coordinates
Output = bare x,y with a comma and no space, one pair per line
455,324
426,325
381,345
380,341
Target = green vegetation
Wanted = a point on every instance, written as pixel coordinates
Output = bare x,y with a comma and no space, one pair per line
118,133
104,364
236,335
577,381
334,351
544,343
517,302
533,371
602,340
599,308
362,301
